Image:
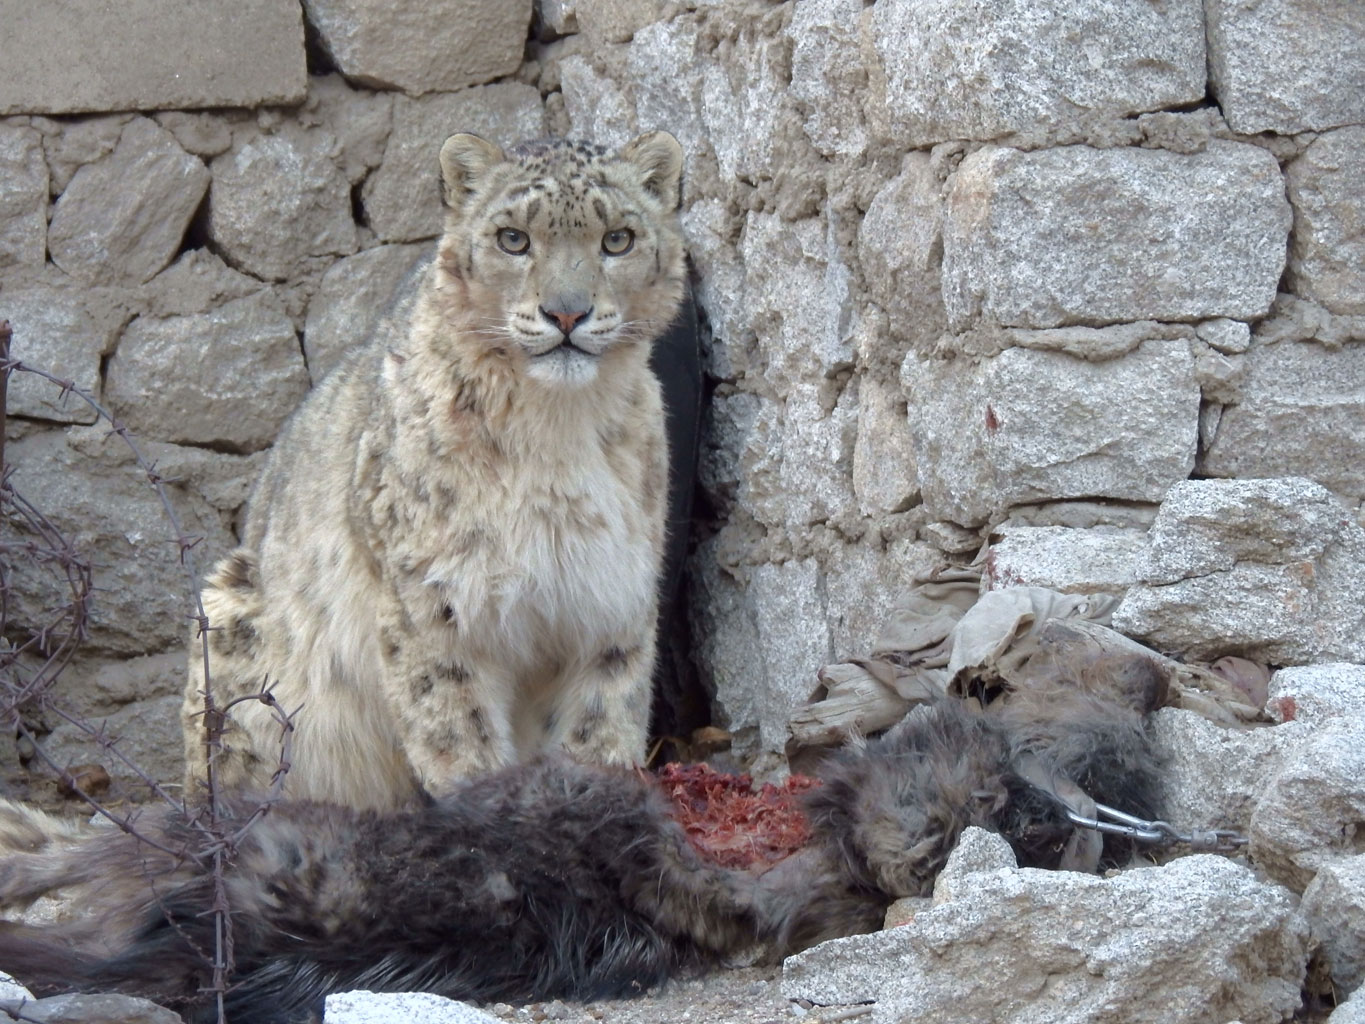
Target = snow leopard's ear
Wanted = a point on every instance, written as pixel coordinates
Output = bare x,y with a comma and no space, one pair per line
464,159
660,157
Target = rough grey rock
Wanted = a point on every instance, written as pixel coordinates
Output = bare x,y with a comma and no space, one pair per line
828,78
884,475
797,298
400,1008
1298,410
1230,337
1334,904
1202,235
743,99
1311,812
1101,560
354,294
1352,1011
798,459
11,990
615,21
113,518
763,636
1268,569
105,232
196,283
1327,248
977,850
957,71
1028,426
727,421
53,331
720,288
597,107
1198,941
360,119
402,198
1213,775
1315,693
150,54
435,46
148,732
71,144
557,18
203,134
900,248
277,199
864,583
221,478
1287,65
162,383
23,197
96,687
663,91
97,1009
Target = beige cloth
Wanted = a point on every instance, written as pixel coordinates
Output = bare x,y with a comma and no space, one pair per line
946,637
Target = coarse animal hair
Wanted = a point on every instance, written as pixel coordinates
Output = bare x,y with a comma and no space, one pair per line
550,879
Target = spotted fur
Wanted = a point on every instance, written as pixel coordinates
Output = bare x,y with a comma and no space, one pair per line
450,559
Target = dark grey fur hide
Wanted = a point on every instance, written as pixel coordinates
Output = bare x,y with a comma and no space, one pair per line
552,879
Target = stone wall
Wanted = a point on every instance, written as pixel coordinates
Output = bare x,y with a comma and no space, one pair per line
970,274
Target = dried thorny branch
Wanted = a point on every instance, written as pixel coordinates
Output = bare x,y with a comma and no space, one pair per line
54,641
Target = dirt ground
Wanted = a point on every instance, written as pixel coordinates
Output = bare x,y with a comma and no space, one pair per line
747,995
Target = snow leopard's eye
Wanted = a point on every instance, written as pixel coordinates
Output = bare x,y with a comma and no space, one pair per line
618,242
513,242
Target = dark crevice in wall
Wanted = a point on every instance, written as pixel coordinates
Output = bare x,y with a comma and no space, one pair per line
197,234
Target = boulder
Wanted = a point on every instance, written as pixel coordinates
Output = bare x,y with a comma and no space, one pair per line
885,478
1198,941
1298,409
402,199
94,1009
1287,65
828,77
1213,775
113,518
162,383
763,635
1315,693
900,247
1100,560
23,197
1327,248
278,199
150,55
400,1008
1334,904
433,46
1203,235
1268,569
106,231
1028,426
798,298
598,108
1352,1011
956,71
1309,817
147,732
53,331
354,294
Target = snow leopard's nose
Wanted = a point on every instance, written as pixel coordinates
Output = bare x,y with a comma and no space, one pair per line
566,322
